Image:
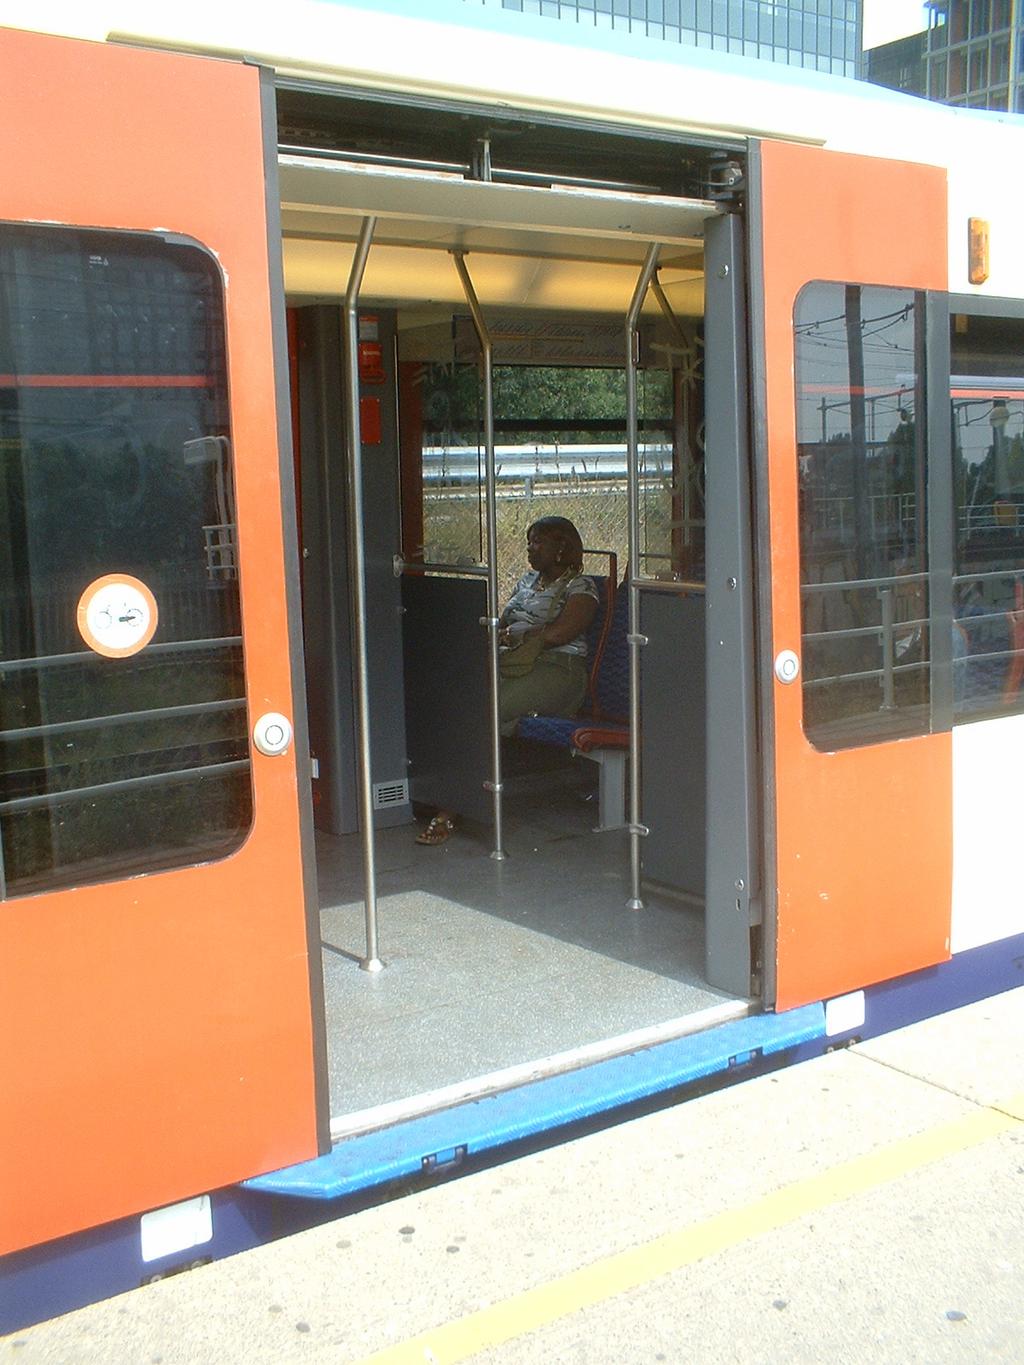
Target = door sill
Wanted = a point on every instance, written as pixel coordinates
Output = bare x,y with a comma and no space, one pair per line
525,1073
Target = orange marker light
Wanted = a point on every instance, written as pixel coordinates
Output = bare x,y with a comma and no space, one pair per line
977,250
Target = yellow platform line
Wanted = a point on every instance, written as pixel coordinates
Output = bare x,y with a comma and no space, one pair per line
534,1308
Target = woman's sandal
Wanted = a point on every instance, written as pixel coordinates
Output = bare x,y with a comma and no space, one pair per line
439,831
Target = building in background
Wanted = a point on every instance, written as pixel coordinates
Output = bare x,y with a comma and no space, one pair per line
824,35
972,53
900,65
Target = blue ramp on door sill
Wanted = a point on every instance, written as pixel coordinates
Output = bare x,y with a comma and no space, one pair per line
448,1137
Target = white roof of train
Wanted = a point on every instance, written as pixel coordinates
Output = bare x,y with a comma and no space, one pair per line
490,56
487,56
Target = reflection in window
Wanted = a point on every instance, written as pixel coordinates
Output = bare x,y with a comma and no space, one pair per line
987,396
115,459
863,547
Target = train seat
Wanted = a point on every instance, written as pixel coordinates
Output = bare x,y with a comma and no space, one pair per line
601,731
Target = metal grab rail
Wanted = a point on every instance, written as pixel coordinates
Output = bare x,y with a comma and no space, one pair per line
70,727
357,574
843,584
491,517
886,631
82,656
122,784
636,830
677,586
424,566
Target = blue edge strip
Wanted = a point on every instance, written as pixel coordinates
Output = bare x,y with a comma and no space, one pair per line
448,1138
440,1139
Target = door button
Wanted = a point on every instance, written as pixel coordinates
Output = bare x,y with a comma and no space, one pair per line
787,666
272,734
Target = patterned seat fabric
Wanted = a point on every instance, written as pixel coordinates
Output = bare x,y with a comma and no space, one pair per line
608,693
557,730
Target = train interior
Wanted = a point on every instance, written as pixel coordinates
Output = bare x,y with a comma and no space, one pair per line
497,969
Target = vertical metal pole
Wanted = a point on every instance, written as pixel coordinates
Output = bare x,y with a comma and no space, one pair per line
636,640
669,315
1011,98
490,505
357,575
885,596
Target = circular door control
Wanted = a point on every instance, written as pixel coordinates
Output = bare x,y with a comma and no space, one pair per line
787,666
272,734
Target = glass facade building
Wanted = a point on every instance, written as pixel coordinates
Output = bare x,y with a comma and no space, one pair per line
824,35
974,53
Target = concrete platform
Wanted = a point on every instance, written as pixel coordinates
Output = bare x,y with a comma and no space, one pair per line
865,1207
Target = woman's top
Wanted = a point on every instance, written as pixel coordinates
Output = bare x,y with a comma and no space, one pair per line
530,605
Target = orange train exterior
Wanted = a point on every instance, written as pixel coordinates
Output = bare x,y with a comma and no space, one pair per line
113,1102
163,1033
864,836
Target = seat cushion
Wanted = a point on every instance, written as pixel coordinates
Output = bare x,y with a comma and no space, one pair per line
586,738
548,729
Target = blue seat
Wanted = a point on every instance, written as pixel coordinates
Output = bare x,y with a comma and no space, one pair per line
601,730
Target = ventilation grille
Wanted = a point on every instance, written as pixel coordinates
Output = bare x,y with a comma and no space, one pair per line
387,794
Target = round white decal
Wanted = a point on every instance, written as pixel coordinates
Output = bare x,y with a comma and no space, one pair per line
117,615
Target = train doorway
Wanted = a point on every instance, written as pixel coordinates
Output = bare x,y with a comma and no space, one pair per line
489,368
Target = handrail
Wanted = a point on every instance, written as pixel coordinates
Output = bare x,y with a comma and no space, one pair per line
357,576
89,656
123,784
844,584
69,727
677,586
636,830
491,621
402,566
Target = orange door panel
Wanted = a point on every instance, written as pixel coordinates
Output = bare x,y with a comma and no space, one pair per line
157,1022
864,834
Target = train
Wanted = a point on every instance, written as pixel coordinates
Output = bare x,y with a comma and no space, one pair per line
304,315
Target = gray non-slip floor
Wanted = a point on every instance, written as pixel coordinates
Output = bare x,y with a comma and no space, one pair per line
494,964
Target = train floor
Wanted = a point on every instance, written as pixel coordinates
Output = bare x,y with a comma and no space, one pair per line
863,1207
495,965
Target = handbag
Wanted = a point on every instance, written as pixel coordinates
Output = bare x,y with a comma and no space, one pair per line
518,660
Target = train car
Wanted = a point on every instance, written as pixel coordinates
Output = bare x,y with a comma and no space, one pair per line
306,318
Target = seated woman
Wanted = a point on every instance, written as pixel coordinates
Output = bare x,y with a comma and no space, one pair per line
556,602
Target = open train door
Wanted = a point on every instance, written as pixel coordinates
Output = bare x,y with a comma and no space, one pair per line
157,1003
844,252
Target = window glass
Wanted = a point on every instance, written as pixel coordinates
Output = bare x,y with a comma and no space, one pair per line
560,440
979,67
123,748
987,396
1000,68
862,514
957,72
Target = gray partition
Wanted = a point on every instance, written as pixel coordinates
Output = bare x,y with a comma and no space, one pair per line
446,695
327,622
673,751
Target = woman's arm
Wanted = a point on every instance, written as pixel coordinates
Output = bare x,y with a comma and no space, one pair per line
572,620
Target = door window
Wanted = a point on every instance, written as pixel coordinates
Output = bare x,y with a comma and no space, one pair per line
123,733
987,397
863,534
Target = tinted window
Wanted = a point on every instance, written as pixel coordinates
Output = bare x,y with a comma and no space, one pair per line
115,463
863,543
987,397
